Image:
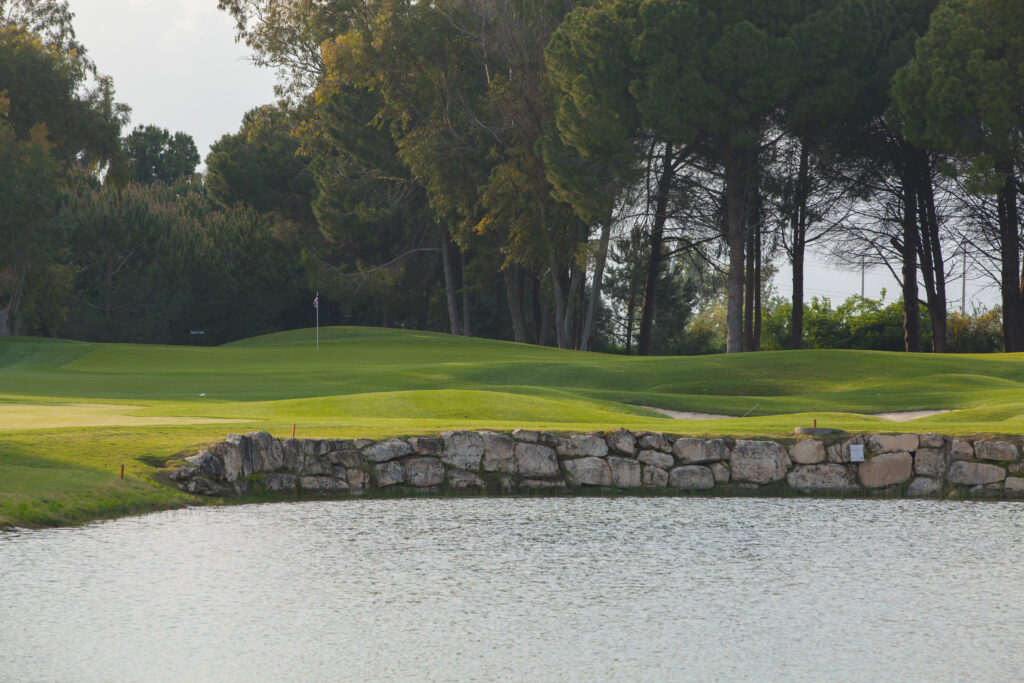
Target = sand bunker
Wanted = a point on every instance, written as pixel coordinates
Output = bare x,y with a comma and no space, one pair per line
680,415
909,415
893,417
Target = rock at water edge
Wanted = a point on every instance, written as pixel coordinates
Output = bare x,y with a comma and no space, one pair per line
657,458
389,473
625,472
424,471
808,452
498,452
759,462
535,461
822,478
462,480
924,486
654,477
886,470
975,473
691,478
995,450
383,451
583,445
462,449
588,471
621,441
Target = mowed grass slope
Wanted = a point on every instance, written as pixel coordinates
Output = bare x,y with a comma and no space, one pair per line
72,413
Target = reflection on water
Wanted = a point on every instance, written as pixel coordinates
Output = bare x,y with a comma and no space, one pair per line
522,589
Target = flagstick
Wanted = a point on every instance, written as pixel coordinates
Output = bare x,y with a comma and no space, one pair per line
318,321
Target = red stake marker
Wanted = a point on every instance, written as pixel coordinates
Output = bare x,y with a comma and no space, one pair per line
122,471
815,423
293,430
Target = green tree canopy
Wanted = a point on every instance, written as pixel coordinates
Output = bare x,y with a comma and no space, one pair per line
154,154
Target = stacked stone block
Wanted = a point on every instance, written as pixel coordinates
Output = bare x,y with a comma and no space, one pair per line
528,460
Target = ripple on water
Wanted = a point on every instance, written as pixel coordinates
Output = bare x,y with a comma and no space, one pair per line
527,589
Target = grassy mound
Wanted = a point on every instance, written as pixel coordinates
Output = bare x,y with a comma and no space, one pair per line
72,413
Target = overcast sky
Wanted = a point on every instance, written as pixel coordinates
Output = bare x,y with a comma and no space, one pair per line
175,63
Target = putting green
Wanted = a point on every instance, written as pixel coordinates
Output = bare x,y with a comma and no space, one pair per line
72,413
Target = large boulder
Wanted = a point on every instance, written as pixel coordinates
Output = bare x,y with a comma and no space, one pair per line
621,441
268,456
625,472
758,462
583,445
654,441
700,451
822,478
498,452
208,463
347,458
425,445
893,443
840,452
931,440
231,451
389,473
424,471
995,450
588,471
462,449
461,480
930,462
322,484
720,472
654,477
924,486
656,458
203,487
276,482
534,461
886,470
1014,486
691,478
358,480
383,451
975,473
961,450
808,452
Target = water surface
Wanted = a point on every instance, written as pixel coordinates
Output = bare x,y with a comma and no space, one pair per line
573,589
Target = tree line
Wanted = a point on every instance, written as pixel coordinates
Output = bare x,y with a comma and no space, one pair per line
608,174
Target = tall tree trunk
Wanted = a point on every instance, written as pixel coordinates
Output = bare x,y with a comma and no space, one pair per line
737,168
798,228
465,295
513,293
449,284
748,294
630,313
544,329
643,345
595,287
757,286
1009,250
908,250
575,287
930,254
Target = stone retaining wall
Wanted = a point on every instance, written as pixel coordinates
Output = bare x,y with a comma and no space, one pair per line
465,461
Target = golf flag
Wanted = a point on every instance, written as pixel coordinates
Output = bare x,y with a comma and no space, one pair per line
316,300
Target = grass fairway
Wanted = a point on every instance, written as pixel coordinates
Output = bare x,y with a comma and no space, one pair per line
72,413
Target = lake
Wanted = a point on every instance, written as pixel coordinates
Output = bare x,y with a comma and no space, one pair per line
567,589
